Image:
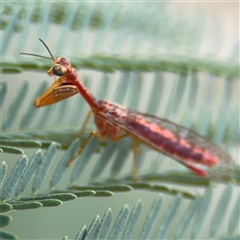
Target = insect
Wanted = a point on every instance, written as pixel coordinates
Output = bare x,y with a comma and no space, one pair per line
115,122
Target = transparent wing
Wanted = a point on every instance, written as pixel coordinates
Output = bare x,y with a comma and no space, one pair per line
178,130
191,136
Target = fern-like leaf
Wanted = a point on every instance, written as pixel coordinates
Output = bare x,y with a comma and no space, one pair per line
181,230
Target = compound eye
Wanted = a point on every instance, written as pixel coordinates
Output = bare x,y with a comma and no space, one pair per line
59,70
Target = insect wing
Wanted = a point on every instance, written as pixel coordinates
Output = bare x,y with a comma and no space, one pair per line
191,136
140,126
57,92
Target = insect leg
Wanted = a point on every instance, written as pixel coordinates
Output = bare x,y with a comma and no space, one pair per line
85,123
135,153
119,137
84,145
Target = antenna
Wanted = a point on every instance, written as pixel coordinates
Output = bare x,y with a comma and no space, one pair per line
47,48
36,55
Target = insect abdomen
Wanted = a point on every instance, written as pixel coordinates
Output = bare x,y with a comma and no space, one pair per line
169,143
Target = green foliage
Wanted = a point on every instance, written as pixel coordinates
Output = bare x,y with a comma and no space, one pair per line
142,57
125,223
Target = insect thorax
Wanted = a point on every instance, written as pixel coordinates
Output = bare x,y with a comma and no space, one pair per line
104,112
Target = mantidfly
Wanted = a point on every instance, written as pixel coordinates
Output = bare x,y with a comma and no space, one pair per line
116,122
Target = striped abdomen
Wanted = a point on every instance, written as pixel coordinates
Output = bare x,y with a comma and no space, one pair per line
169,142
